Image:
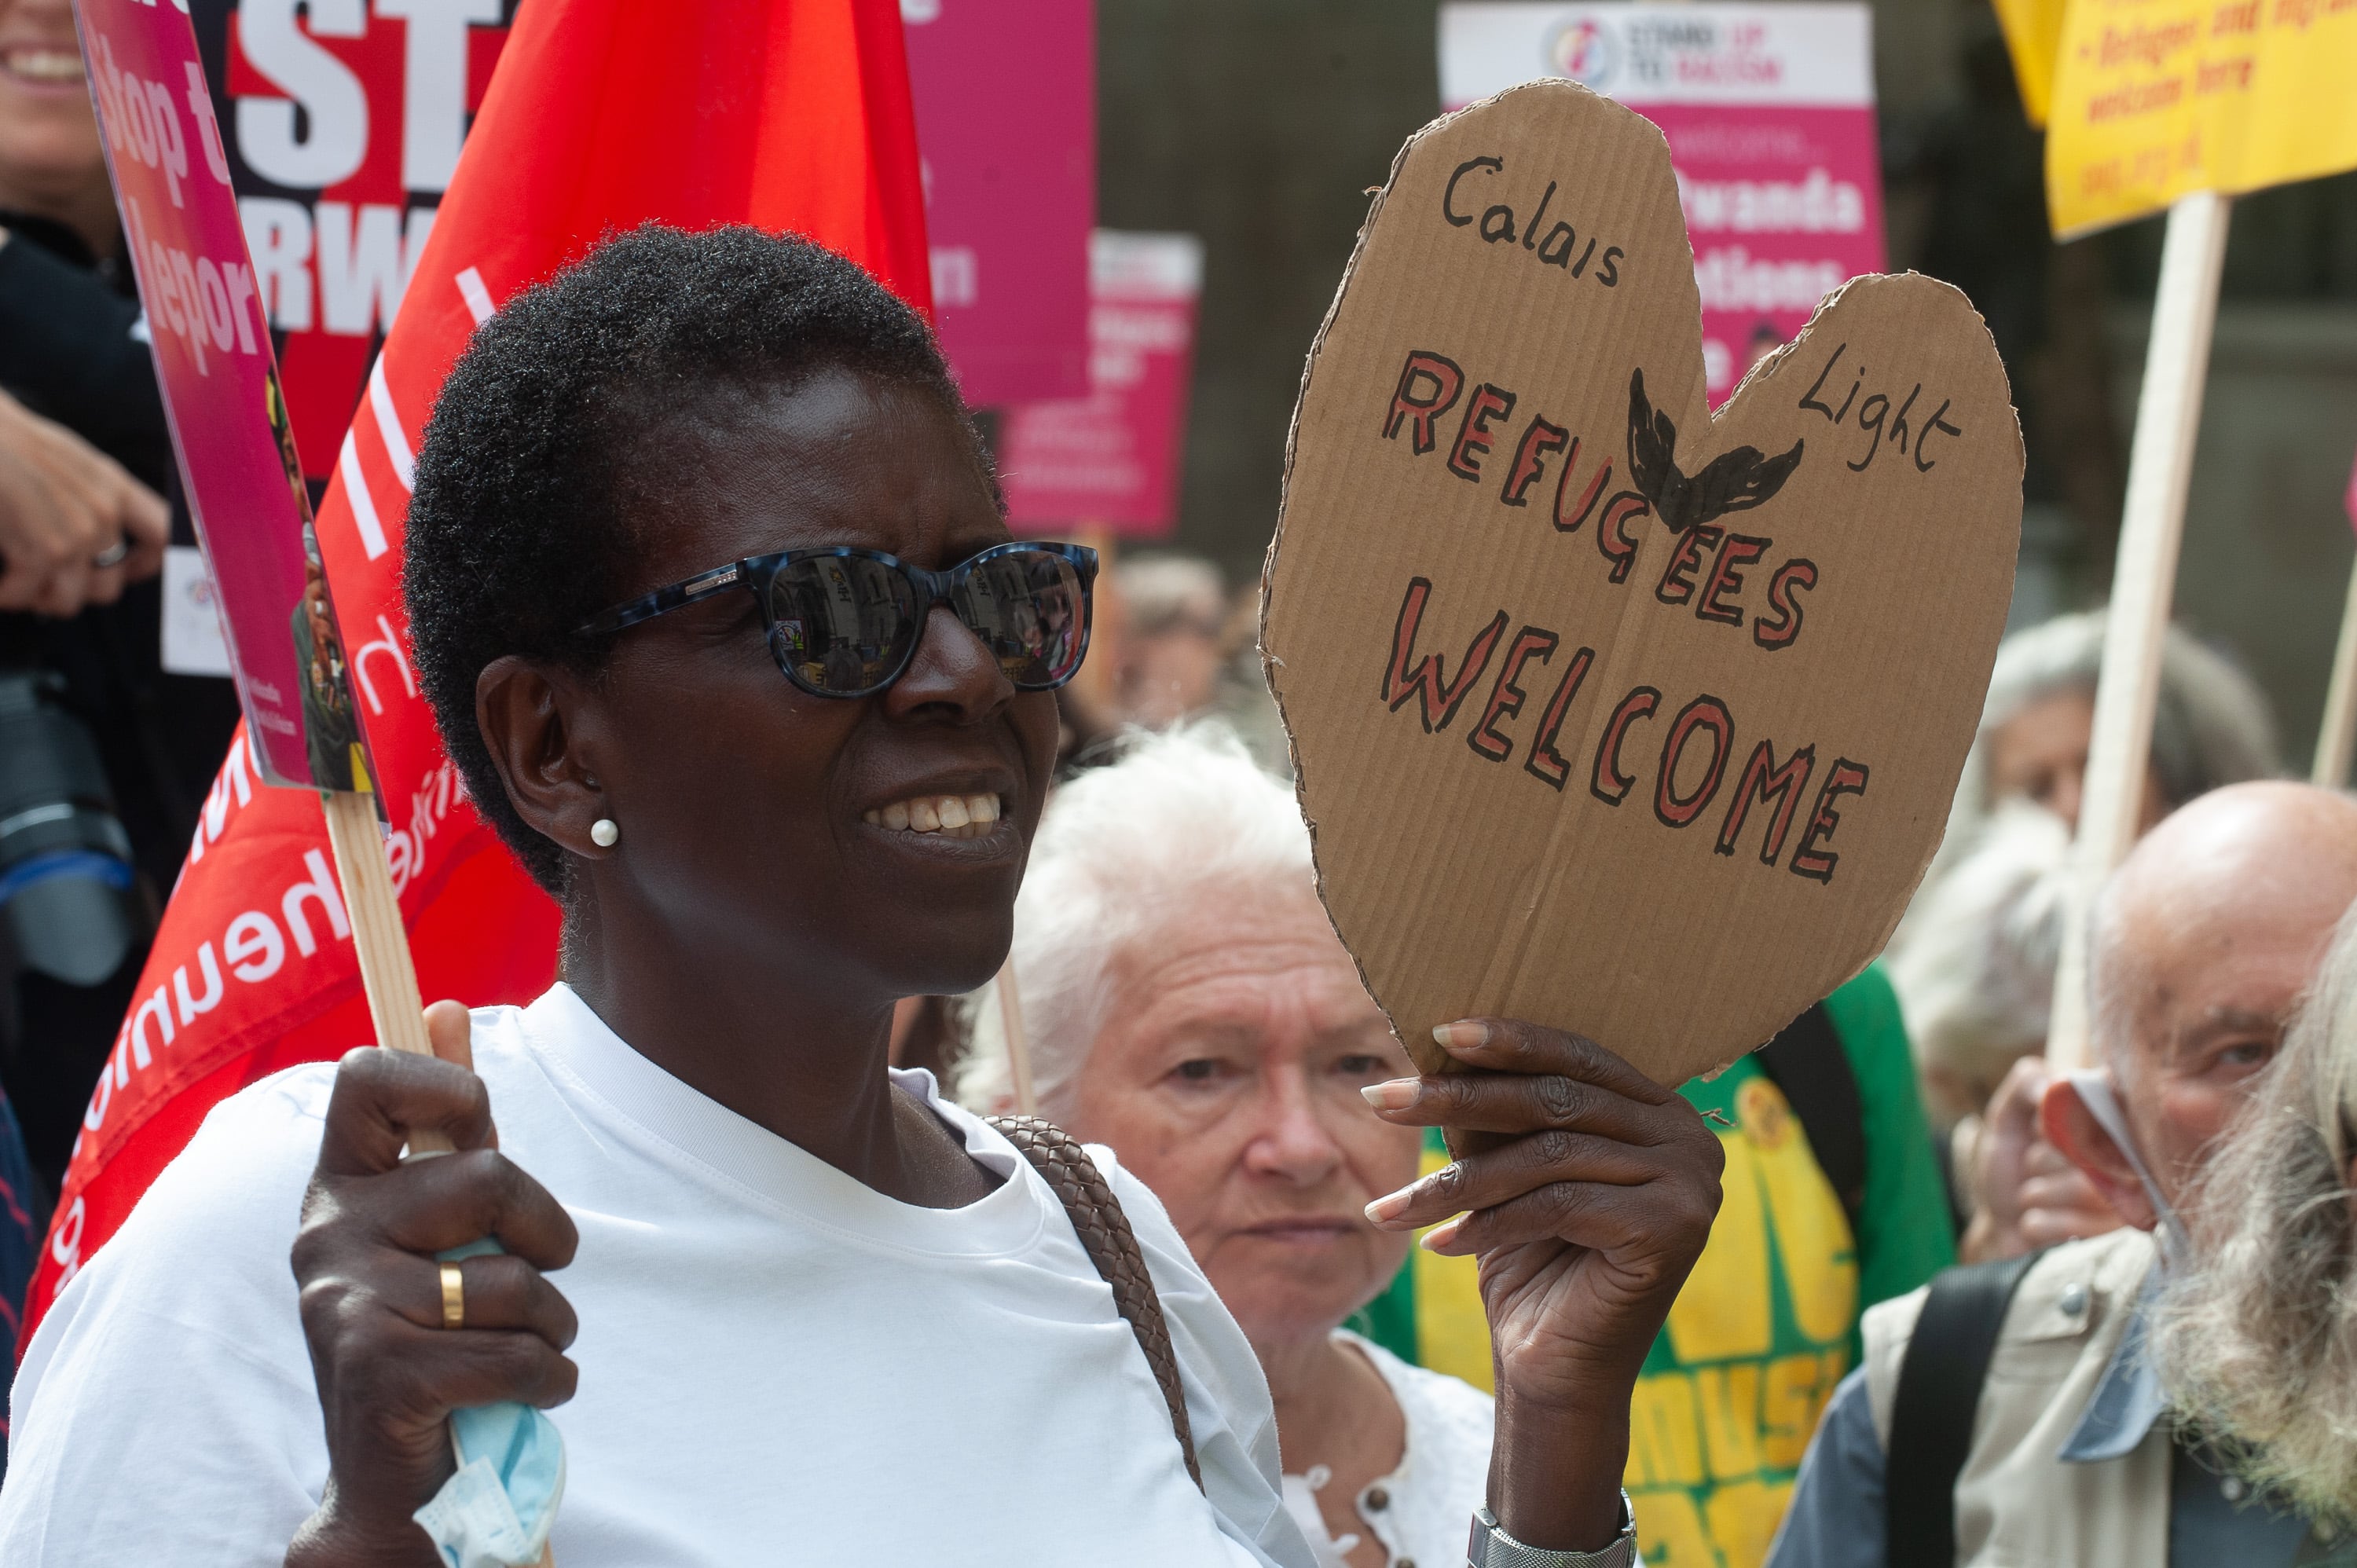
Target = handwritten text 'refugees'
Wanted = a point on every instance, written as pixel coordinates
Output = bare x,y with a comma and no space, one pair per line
1708,571
1431,386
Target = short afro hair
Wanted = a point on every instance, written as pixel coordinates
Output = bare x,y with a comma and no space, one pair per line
519,528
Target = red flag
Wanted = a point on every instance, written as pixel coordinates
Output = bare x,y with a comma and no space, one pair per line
790,115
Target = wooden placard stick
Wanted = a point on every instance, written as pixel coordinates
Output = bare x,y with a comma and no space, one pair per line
379,938
1019,1044
2144,580
1097,682
2337,738
242,476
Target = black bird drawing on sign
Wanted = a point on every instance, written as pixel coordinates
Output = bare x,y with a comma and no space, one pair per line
1732,481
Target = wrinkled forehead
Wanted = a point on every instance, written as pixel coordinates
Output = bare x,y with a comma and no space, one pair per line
1261,956
2194,955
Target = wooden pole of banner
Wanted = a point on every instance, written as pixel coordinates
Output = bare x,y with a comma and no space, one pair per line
1098,679
2144,580
2338,738
1092,687
387,974
1019,1044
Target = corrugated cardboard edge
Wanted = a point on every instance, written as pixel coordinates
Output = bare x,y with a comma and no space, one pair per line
1428,1055
1759,368
2021,461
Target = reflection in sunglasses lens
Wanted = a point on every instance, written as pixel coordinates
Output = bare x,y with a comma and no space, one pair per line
1024,607
843,624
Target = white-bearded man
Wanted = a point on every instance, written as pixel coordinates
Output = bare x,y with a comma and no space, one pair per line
2029,1426
2256,1339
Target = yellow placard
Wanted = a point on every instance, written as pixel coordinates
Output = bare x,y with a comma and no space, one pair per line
2033,32
2155,99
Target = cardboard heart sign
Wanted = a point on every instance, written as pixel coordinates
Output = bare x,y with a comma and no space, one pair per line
1608,714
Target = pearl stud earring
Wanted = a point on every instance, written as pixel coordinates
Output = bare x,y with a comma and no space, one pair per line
603,832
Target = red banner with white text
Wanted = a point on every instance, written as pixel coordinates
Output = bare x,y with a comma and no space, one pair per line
790,115
342,120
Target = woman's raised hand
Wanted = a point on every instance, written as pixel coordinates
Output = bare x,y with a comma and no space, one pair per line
1587,1190
389,1370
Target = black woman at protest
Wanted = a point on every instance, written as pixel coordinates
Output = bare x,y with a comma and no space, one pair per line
710,590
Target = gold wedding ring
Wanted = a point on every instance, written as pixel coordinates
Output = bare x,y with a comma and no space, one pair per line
453,1297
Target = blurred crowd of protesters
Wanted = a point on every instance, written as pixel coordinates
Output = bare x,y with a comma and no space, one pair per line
103,757
1188,1003
1173,642
2150,1353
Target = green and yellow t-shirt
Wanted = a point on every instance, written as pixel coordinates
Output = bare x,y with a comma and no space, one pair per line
1767,1322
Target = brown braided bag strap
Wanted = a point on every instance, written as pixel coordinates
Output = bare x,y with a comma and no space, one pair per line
1104,1232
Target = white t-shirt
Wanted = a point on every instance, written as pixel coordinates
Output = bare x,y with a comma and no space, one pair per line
778,1363
1423,1511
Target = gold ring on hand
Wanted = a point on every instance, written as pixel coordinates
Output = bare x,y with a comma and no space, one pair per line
453,1297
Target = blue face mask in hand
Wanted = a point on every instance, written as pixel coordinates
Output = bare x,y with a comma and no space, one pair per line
497,1510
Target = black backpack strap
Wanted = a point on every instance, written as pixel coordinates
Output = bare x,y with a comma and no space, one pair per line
1939,1395
1807,1062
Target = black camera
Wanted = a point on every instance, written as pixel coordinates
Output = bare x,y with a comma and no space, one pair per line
72,907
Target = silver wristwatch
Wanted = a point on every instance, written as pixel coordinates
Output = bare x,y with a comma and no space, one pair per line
1491,1547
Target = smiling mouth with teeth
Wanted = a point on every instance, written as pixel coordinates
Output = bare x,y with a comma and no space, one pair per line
48,67
950,816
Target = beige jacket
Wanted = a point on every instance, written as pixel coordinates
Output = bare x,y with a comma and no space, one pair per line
2017,1504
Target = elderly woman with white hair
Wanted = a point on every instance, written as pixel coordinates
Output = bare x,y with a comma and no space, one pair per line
2254,1335
1188,1003
2210,725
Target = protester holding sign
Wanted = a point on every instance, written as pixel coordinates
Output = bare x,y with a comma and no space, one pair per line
597,109
768,816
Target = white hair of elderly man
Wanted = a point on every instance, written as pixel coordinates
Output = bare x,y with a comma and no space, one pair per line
2257,1338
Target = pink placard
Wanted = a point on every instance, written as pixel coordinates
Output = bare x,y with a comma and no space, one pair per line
212,346
1005,97
1111,459
1768,111
1783,206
